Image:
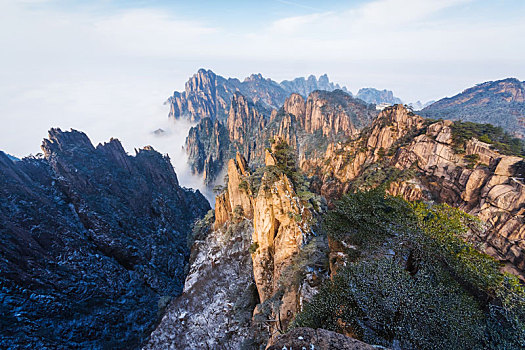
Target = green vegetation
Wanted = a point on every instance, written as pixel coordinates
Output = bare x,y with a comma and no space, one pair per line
243,185
285,158
312,256
494,135
253,247
201,228
380,173
472,160
416,283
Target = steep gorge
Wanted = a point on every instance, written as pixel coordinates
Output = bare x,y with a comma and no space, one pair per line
308,125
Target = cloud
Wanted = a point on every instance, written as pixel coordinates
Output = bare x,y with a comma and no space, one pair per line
146,32
108,71
392,30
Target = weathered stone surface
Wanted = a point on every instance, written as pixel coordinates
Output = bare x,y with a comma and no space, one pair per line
207,95
334,113
91,242
207,147
316,339
308,126
239,192
492,190
215,309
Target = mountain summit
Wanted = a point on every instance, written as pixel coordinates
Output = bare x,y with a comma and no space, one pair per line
500,103
207,94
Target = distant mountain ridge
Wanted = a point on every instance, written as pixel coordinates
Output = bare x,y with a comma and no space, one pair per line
307,124
501,103
378,97
207,94
304,86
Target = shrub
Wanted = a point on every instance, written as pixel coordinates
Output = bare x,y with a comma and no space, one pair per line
434,292
500,140
253,247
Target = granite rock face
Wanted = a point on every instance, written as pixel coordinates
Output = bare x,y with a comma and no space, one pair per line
490,188
208,95
245,283
308,125
333,113
93,243
207,148
281,229
215,309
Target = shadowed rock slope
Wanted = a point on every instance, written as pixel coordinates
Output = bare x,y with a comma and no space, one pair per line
93,244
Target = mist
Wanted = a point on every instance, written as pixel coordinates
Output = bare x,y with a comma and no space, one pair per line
171,142
125,107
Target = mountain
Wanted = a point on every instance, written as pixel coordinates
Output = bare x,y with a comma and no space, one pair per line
13,158
423,160
304,86
207,95
335,226
278,265
378,97
307,124
245,271
500,103
94,243
418,105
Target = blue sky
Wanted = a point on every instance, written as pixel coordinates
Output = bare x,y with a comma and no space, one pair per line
106,66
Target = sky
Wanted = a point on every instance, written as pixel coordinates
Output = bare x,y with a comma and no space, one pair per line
106,66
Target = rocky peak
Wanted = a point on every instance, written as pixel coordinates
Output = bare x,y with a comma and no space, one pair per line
307,126
392,124
429,165
281,227
69,141
254,77
334,113
207,145
90,237
304,86
203,80
206,95
245,123
509,90
296,105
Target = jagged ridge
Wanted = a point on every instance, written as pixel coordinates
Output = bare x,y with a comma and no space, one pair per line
93,243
